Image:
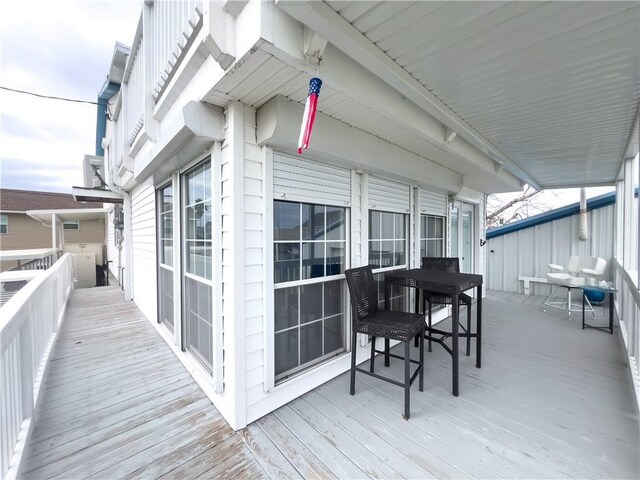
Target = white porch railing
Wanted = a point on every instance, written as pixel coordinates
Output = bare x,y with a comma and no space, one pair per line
29,323
629,317
133,107
173,24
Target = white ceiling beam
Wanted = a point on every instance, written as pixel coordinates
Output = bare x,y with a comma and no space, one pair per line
326,22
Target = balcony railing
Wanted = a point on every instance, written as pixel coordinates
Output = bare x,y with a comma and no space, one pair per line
629,317
134,97
28,326
173,24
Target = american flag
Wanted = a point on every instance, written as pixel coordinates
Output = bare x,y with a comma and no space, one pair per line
315,84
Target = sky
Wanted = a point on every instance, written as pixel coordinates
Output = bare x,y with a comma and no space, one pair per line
59,48
64,48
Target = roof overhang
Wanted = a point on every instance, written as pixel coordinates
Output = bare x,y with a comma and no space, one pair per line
82,194
68,215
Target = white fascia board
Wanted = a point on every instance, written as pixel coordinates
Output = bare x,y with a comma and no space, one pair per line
196,127
326,22
278,125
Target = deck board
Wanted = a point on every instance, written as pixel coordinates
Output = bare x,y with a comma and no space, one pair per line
550,401
116,403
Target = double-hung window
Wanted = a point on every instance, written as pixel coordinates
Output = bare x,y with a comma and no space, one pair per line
165,254
431,236
4,224
310,256
388,241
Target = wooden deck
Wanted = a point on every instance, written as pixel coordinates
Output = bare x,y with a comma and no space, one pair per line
117,404
551,401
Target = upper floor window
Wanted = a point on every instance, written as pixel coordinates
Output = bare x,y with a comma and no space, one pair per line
71,225
4,223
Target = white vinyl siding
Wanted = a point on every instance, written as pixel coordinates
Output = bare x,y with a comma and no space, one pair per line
297,179
143,234
433,203
389,196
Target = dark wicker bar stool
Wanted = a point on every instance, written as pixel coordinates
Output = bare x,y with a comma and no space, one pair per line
444,264
368,319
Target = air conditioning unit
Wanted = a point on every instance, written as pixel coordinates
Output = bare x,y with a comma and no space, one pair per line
93,171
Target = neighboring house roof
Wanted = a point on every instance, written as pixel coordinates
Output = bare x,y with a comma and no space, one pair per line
551,215
23,200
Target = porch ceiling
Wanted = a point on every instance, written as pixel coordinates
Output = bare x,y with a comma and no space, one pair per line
553,85
546,90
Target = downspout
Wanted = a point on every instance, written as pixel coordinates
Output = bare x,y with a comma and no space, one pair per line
584,227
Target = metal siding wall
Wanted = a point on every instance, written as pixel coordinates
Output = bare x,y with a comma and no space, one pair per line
143,233
389,196
529,251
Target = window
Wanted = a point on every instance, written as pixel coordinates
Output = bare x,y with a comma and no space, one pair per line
388,250
310,243
431,236
198,266
164,207
4,224
71,225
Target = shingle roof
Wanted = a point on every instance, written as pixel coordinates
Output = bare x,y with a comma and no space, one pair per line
23,200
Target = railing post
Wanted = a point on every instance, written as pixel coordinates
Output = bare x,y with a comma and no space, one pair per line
25,346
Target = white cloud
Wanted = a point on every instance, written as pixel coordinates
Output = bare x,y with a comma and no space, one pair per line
59,48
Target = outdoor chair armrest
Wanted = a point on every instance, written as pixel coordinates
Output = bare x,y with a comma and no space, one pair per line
553,266
589,271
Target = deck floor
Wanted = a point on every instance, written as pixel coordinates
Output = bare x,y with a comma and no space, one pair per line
118,404
550,401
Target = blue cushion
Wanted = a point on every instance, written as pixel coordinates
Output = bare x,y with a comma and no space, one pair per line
594,296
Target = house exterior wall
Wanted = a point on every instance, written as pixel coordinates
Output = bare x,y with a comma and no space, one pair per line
143,245
528,252
90,231
25,232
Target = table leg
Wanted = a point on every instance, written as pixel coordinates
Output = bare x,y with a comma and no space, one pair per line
455,307
479,328
611,313
583,305
387,306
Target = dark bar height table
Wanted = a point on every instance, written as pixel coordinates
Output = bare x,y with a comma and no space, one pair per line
444,283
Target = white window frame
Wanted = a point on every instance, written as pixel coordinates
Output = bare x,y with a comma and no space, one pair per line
280,379
422,235
159,238
4,222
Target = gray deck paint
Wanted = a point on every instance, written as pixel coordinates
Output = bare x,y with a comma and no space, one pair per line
551,401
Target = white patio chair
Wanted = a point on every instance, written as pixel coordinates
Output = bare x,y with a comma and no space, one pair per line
580,271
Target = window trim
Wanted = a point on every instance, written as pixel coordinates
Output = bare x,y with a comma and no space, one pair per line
159,238
4,223
280,379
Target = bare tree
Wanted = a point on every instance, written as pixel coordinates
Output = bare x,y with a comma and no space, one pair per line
506,208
